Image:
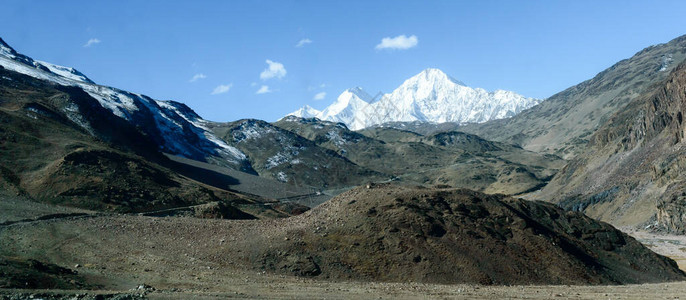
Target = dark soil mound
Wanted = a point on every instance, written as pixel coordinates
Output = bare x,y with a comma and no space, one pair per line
393,233
33,274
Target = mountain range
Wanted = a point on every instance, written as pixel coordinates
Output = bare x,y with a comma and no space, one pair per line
435,137
386,189
430,96
312,154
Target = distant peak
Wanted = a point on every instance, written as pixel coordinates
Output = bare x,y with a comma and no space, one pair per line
435,75
6,49
356,90
3,44
434,71
360,93
305,112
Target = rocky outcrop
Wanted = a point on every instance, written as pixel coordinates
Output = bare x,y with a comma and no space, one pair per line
631,172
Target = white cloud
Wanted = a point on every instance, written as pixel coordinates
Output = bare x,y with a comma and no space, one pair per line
320,96
253,84
275,69
303,42
400,42
222,88
197,77
263,90
92,42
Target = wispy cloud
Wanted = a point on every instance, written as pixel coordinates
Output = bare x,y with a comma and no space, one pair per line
320,96
312,88
222,88
263,90
197,77
92,42
275,69
303,42
400,42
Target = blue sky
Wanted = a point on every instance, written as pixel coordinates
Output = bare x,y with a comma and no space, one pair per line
535,48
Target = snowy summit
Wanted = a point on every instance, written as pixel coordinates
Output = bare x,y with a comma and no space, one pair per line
430,96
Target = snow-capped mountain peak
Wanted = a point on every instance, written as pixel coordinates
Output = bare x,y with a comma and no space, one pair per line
354,96
430,96
305,112
431,76
347,107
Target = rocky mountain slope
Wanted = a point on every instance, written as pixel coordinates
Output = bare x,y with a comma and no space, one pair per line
430,96
173,126
287,157
452,158
50,157
563,123
631,171
61,144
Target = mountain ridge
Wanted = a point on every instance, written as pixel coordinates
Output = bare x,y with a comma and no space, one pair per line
175,127
629,173
430,96
563,123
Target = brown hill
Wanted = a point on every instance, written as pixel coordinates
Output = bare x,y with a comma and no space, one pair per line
393,233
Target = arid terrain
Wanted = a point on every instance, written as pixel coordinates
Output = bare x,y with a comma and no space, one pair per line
183,257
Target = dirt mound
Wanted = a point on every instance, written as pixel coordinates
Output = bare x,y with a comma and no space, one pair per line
392,233
33,274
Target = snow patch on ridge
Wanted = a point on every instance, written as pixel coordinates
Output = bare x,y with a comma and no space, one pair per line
182,132
66,72
666,62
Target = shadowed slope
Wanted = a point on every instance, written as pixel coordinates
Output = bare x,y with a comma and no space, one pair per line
391,233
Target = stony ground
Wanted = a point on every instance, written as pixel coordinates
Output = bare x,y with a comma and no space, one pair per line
185,266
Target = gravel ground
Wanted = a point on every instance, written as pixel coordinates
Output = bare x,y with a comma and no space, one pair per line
268,287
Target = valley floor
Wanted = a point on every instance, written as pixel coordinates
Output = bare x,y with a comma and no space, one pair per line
670,245
270,287
157,269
